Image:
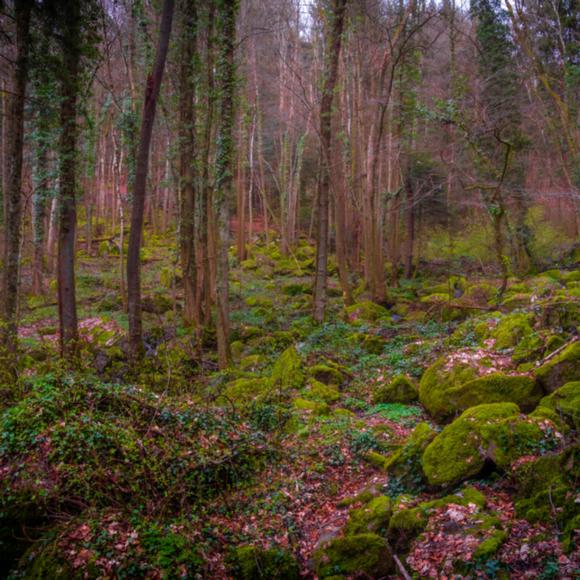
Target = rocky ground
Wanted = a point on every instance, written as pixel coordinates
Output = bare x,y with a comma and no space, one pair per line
435,437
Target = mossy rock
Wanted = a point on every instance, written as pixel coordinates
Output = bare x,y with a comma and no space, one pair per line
400,390
320,392
438,380
237,348
407,523
490,546
547,488
329,373
541,412
563,311
562,369
245,390
565,402
496,388
252,362
360,555
372,343
494,435
43,561
367,311
287,371
253,563
259,301
511,329
481,293
573,276
313,406
405,464
517,300
373,517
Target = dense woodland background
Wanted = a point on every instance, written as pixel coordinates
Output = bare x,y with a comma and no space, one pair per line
198,193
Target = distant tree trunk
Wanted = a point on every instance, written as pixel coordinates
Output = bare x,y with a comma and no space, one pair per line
226,71
334,40
67,308
187,156
142,166
13,200
410,226
39,218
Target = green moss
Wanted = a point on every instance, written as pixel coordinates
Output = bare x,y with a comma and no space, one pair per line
329,373
357,555
252,563
373,517
252,362
495,388
437,380
320,392
573,276
562,369
489,547
511,329
344,413
541,412
244,390
316,408
287,372
296,289
363,497
405,463
400,390
367,311
494,432
376,459
261,301
565,402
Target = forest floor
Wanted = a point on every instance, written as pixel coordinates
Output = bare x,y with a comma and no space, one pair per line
383,443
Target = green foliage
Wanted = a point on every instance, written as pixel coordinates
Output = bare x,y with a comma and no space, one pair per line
565,402
400,390
252,563
373,517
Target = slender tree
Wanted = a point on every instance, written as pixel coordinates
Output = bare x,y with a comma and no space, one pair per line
13,216
152,88
336,15
226,73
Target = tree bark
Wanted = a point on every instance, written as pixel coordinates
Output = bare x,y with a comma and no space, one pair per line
142,166
226,71
334,40
187,156
13,199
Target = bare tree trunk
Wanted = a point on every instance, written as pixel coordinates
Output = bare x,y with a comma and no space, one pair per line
142,166
410,223
13,199
226,71
334,40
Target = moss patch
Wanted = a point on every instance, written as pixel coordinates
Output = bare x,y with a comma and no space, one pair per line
562,369
400,390
251,563
287,371
373,517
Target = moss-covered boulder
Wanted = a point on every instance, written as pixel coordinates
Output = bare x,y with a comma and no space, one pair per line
252,563
328,372
360,555
546,490
562,369
246,389
522,390
287,372
493,435
367,311
314,407
407,523
405,464
371,518
318,391
511,329
400,390
565,402
438,379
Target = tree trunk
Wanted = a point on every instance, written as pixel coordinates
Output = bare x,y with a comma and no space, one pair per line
410,223
187,157
334,40
226,71
142,166
13,199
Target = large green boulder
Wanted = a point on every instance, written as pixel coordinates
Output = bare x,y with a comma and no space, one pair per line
438,379
400,390
565,402
511,329
522,390
288,372
486,435
360,555
562,369
247,389
404,464
372,517
253,563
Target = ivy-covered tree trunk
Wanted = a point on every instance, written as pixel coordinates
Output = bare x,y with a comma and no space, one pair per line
226,71
333,43
67,308
152,89
187,156
13,215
